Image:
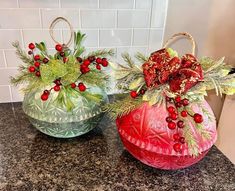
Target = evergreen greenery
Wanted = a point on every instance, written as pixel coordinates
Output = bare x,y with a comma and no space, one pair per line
67,73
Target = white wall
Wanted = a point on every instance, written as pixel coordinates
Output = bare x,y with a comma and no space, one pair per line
125,25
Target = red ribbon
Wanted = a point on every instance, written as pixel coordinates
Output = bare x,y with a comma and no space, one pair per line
181,74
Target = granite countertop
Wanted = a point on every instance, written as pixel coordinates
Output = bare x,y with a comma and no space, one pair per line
30,160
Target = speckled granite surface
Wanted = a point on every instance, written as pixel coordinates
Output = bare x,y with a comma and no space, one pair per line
30,160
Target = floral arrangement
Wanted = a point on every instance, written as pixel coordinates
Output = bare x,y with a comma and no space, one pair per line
166,79
66,73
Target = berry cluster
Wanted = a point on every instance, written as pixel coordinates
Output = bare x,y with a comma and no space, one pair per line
38,60
57,88
61,52
135,94
174,122
92,60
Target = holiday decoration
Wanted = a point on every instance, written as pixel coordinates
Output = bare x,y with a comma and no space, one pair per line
64,92
164,120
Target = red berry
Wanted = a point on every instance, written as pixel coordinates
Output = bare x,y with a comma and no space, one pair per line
98,60
73,85
31,46
38,74
185,102
30,52
180,124
87,69
182,140
62,54
84,69
171,109
44,97
59,47
45,60
31,69
57,88
184,113
173,116
171,125
176,136
36,57
133,94
168,99
178,99
177,147
142,91
105,63
65,59
98,67
86,62
79,59
168,119
37,64
82,66
91,58
57,82
46,92
81,87
198,118
178,104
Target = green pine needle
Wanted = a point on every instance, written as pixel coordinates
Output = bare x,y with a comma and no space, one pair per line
142,58
101,53
126,57
125,75
191,141
21,54
122,107
96,78
216,77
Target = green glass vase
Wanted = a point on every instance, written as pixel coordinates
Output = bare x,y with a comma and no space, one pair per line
56,121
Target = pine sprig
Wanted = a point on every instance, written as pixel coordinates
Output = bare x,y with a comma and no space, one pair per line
22,78
142,58
216,77
204,133
199,127
191,141
130,75
96,78
34,85
101,53
126,57
122,107
21,54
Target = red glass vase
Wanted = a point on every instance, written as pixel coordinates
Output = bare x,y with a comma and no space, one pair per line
145,135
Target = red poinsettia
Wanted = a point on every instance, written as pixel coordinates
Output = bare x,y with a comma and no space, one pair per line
181,74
